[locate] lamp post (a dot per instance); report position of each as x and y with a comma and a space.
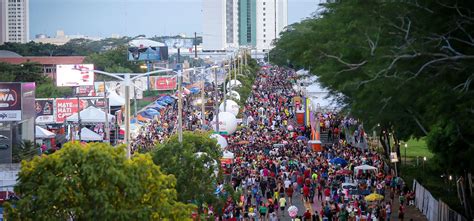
424, 159
406, 146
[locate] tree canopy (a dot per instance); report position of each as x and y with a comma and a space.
95, 182
195, 173
405, 65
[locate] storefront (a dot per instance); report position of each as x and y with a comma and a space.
17, 117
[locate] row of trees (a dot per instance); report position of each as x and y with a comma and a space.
96, 182
403, 65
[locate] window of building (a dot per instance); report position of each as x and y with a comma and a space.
263, 3
264, 41
264, 30
263, 14
264, 8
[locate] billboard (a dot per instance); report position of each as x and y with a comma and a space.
74, 75
163, 83
179, 42
66, 107
44, 109
10, 101
158, 53
119, 88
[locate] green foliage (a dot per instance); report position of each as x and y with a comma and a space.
195, 175
75, 47
25, 151
113, 61
403, 64
48, 89
26, 72
95, 182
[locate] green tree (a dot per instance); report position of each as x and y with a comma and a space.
403, 64
95, 182
196, 179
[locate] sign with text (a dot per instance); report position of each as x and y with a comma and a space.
162, 83
74, 75
67, 107
10, 101
44, 111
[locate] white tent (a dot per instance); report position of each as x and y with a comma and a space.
115, 99
41, 133
228, 155
88, 135
144, 43
302, 72
221, 141
364, 168
90, 115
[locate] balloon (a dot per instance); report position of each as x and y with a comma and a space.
227, 123
234, 95
293, 211
232, 107
234, 84
221, 141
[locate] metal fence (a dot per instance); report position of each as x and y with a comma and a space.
433, 209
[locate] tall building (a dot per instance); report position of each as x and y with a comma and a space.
14, 21
251, 23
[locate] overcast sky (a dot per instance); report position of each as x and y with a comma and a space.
131, 17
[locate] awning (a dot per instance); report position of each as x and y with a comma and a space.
41, 133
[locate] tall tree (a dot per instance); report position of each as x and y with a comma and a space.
403, 64
195, 173
95, 182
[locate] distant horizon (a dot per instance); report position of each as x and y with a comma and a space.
106, 18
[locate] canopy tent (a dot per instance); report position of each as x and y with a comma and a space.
88, 135
156, 106
41, 133
115, 99
302, 72
221, 141
91, 115
364, 168
228, 155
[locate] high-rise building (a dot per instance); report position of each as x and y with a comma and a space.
252, 23
14, 21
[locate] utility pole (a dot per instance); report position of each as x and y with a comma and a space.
79, 114
195, 47
106, 126
203, 109
216, 101
126, 136
180, 106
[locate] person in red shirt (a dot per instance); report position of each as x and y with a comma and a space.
300, 181
306, 193
289, 193
307, 215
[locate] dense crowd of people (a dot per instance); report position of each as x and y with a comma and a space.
275, 168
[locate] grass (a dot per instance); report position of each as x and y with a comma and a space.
417, 148
427, 173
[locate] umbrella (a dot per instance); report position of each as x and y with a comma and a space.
301, 138
290, 128
162, 103
373, 197
344, 172
338, 161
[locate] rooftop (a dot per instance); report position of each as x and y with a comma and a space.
53, 60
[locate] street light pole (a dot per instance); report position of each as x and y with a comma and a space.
126, 137
216, 101
180, 107
406, 145
203, 109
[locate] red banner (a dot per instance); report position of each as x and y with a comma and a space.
162, 83
67, 107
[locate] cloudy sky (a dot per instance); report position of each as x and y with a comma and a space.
131, 17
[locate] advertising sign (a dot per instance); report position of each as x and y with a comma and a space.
74, 75
148, 53
44, 111
67, 107
179, 42
162, 83
119, 88
10, 101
